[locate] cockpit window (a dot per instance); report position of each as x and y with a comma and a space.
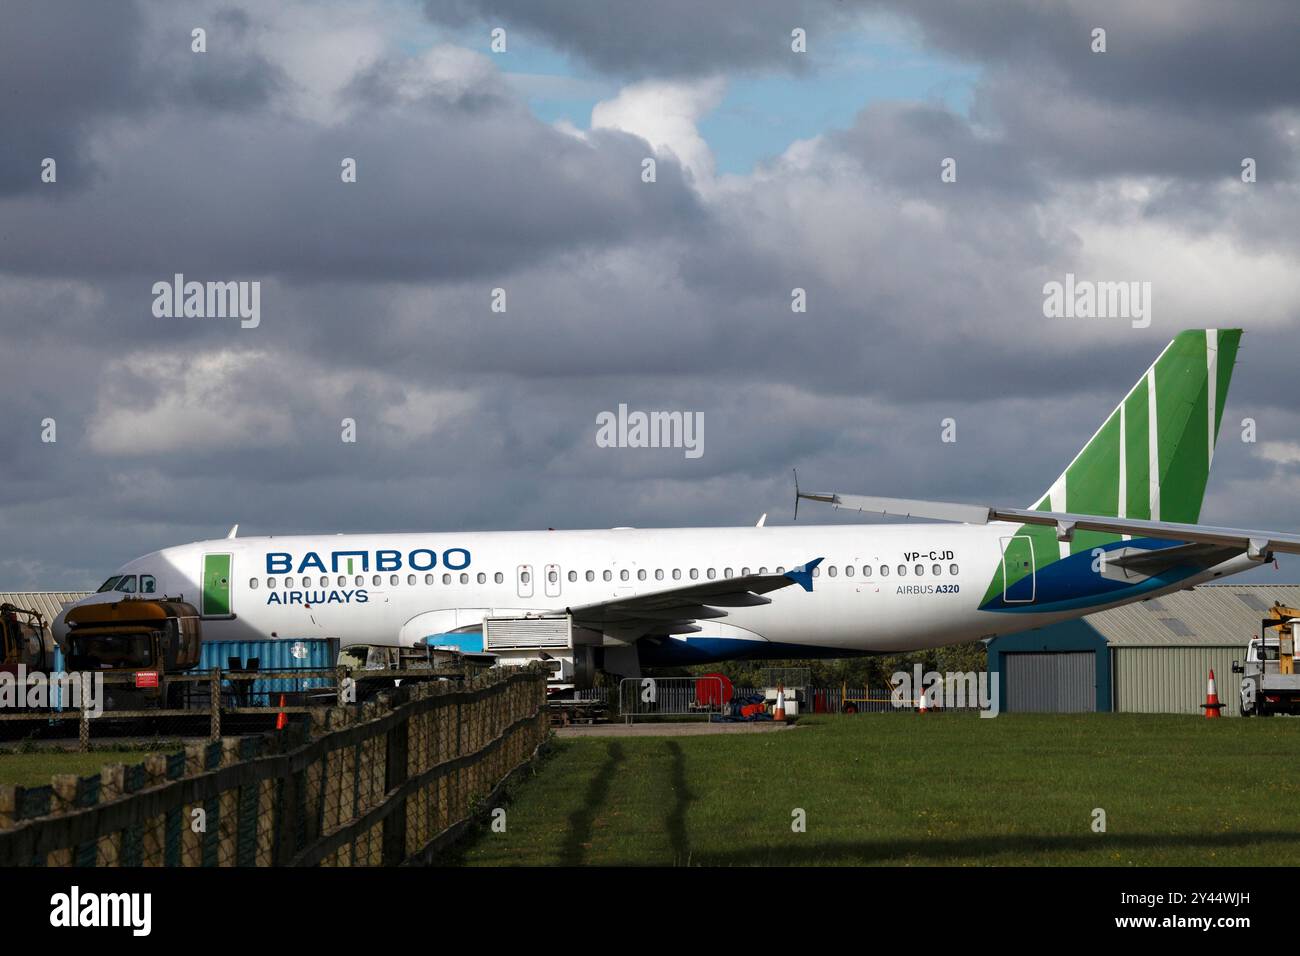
109, 584
147, 584
126, 584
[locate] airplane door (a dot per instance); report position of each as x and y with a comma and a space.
552, 581
524, 580
1018, 579
216, 585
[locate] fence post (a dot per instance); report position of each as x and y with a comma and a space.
112, 784
214, 704
395, 764
154, 841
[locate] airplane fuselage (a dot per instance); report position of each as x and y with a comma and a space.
879, 588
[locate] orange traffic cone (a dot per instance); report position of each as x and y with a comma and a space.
282, 721
778, 712
1212, 705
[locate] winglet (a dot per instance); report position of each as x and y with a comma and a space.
803, 576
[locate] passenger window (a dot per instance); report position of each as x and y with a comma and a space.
884, 570
525, 577
695, 573
498, 577
952, 569
744, 572
428, 579
552, 577
446, 579
902, 570
762, 570
464, 579
394, 580
361, 581
640, 574
920, 570
608, 576
270, 582
624, 575
831, 572
866, 570
343, 581
937, 570
324, 581
817, 572
288, 583
711, 574
377, 581
591, 575
659, 574
573, 576
848, 570
252, 584
677, 574
780, 569
726, 572
482, 578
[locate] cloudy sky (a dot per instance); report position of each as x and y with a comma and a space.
522, 170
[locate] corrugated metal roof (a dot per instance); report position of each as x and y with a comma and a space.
1212, 615
49, 603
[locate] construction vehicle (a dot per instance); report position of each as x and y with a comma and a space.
150, 639
25, 640
1269, 682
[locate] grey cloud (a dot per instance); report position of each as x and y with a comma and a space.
667, 38
924, 302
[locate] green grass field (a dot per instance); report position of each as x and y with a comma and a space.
35, 769
905, 790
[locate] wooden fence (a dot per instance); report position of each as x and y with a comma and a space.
388, 782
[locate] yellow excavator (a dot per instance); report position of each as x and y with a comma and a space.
1269, 682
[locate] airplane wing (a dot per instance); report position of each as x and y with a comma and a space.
1259, 545
675, 610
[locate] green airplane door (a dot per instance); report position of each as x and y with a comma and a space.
216, 585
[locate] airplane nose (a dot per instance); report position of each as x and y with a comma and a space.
59, 626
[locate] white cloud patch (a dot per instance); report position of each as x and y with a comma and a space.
665, 114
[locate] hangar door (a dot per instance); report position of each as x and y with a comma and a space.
1047, 683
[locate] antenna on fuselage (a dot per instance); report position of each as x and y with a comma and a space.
796, 493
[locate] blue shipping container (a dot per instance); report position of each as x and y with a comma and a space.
281, 654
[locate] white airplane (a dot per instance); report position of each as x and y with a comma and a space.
1117, 526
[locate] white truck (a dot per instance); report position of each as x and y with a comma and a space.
1269, 682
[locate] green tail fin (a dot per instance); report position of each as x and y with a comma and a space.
1151, 458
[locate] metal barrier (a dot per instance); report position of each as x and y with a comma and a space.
647, 697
